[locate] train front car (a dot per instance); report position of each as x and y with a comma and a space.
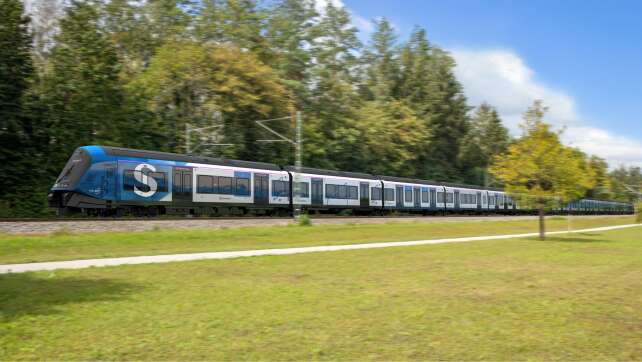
86, 183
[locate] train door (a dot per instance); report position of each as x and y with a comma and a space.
109, 181
364, 194
479, 201
399, 195
317, 192
417, 196
433, 198
261, 189
182, 185
456, 199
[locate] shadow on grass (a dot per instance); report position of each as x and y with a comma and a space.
576, 238
26, 294
573, 238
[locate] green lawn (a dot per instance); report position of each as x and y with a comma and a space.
24, 249
568, 298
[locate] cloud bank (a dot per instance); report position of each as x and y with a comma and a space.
501, 78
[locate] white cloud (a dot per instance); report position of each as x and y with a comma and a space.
501, 78
320, 5
364, 25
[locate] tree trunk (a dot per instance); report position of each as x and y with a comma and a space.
542, 228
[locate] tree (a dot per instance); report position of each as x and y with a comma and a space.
332, 137
446, 115
390, 133
486, 138
190, 83
136, 29
383, 67
82, 93
538, 165
240, 23
20, 144
45, 15
602, 188
290, 33
626, 183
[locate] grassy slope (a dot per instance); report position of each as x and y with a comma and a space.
573, 298
24, 249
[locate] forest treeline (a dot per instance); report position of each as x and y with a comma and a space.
137, 73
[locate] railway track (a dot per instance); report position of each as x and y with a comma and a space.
183, 218
87, 225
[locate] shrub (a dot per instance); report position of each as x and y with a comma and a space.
304, 220
63, 231
638, 212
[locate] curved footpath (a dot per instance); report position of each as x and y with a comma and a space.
79, 264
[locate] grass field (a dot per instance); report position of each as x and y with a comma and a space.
577, 297
66, 246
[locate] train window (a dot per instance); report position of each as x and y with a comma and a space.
303, 190
343, 191
440, 197
408, 195
279, 188
204, 184
389, 194
353, 192
450, 197
375, 193
129, 181
242, 186
425, 196
161, 180
187, 182
225, 185
330, 191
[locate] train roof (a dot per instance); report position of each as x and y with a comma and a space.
437, 183
167, 156
318, 171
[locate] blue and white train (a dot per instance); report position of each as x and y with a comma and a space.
112, 181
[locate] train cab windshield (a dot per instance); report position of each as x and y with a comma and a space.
74, 169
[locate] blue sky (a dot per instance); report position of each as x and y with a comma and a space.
584, 58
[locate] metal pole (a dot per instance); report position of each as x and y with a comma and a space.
297, 163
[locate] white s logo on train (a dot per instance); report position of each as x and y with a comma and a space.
146, 180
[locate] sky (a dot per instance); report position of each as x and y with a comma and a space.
582, 58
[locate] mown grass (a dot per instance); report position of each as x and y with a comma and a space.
576, 297
67, 246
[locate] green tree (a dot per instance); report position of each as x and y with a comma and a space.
21, 142
190, 83
446, 114
137, 29
382, 63
84, 99
239, 23
626, 183
332, 137
486, 138
539, 165
602, 188
390, 133
290, 33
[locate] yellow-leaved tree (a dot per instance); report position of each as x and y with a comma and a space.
540, 166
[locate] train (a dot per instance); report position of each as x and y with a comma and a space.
115, 181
